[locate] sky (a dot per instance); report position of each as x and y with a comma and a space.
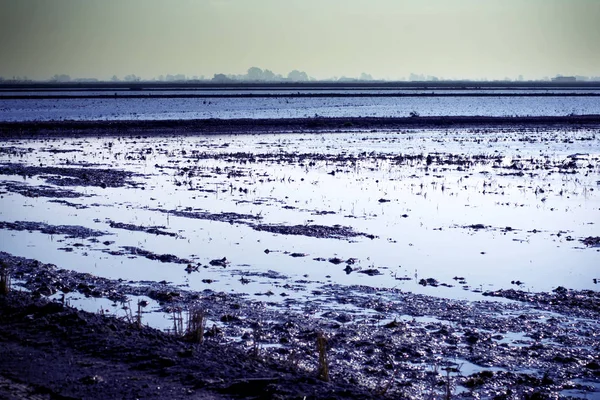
388, 39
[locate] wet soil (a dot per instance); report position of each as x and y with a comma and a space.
153, 230
72, 176
317, 124
136, 251
317, 231
381, 343
591, 241
70, 231
61, 353
39, 191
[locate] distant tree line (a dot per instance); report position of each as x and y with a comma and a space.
256, 74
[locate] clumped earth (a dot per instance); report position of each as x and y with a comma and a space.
52, 351
70, 231
316, 124
153, 230
318, 231
384, 344
67, 176
40, 191
136, 251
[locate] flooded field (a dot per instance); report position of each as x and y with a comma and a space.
144, 107
492, 207
463, 247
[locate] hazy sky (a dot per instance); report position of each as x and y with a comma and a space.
386, 38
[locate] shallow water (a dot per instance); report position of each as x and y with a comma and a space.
289, 107
419, 214
290, 92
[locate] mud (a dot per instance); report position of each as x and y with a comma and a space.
583, 303
69, 204
317, 124
317, 231
40, 191
153, 230
62, 176
381, 343
591, 241
70, 231
136, 251
74, 354
229, 217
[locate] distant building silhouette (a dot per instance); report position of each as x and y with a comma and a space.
564, 79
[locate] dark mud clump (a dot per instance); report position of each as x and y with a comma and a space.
591, 241
318, 124
47, 279
154, 230
71, 231
230, 217
580, 302
69, 204
136, 251
62, 176
40, 191
316, 231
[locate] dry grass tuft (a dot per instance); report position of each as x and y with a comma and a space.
4, 280
323, 373
196, 323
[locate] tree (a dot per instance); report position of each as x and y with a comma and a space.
297, 76
255, 74
221, 78
61, 78
268, 75
132, 78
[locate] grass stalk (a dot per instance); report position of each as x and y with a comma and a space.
196, 323
4, 280
323, 373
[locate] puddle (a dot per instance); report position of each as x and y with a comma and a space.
585, 389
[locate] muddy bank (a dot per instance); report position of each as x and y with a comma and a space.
70, 231
59, 352
381, 343
317, 124
583, 302
153, 230
40, 191
62, 176
316, 231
